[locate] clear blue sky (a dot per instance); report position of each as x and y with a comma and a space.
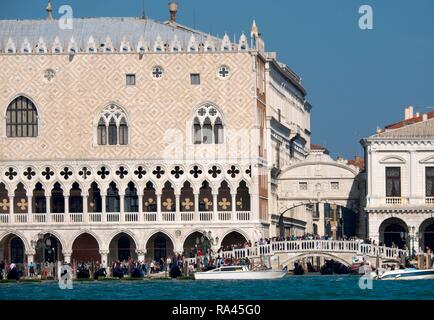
356, 80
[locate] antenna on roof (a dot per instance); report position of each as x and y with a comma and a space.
143, 10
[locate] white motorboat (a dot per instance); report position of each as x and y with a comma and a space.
239, 273
407, 274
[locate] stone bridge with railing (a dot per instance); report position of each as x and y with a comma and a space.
288, 252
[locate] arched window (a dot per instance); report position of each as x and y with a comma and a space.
21, 118
131, 198
112, 132
208, 125
102, 132
123, 132
113, 198
112, 128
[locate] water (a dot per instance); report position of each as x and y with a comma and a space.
288, 288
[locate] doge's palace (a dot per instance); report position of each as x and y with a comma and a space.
129, 137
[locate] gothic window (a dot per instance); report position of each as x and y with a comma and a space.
94, 201
131, 198
208, 126
243, 197
113, 199
123, 132
149, 198
102, 132
75, 199
393, 182
21, 118
39, 202
223, 72
429, 178
157, 72
112, 128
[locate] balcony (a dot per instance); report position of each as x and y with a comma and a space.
396, 201
127, 217
429, 201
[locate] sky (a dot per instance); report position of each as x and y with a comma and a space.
357, 80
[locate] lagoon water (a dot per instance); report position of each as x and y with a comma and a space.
288, 288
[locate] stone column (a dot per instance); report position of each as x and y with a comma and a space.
122, 207
159, 217
141, 217
178, 207
215, 206
29, 208
103, 208
48, 204
196, 207
141, 255
30, 258
67, 256
104, 257
234, 206
66, 208
11, 209
321, 222
85, 211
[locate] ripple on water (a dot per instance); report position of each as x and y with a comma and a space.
288, 288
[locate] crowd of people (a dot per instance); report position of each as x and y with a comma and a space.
175, 266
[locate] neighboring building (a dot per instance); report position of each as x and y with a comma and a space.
400, 182
131, 137
320, 195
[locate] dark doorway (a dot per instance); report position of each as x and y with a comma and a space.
17, 250
395, 234
428, 237
160, 248
124, 248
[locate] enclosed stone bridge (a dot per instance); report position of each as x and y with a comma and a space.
288, 252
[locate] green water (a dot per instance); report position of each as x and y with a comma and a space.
288, 288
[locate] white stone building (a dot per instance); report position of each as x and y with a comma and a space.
128, 137
400, 179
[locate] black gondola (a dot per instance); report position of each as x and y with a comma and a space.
100, 273
136, 274
13, 274
298, 269
83, 273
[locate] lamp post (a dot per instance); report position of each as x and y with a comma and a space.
334, 224
412, 241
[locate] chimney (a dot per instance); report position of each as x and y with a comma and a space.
173, 9
49, 11
408, 113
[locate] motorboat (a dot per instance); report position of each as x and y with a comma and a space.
239, 273
407, 274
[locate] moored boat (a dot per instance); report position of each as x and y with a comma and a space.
407, 274
239, 273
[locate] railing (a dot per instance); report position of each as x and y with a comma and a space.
243, 215
128, 217
76, 217
396, 200
113, 217
150, 216
40, 218
57, 218
168, 216
225, 216
301, 246
205, 216
20, 218
95, 217
187, 216
131, 217
429, 200
4, 218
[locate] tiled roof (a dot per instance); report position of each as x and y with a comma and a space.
319, 147
409, 121
132, 29
419, 130
357, 162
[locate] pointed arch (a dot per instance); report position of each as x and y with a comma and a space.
112, 126
21, 118
207, 125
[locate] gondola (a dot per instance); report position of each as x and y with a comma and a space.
298, 269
